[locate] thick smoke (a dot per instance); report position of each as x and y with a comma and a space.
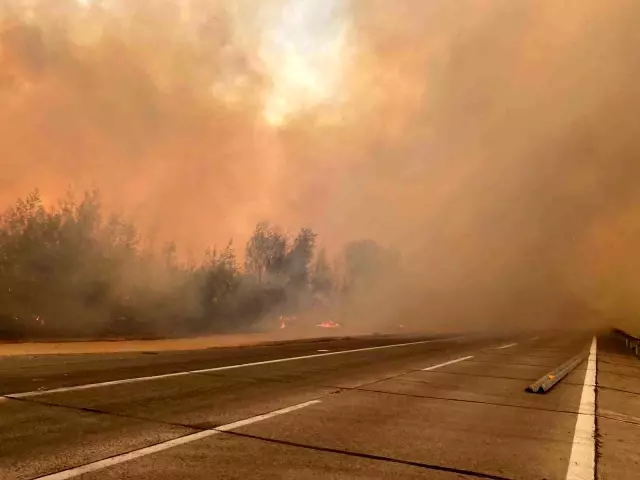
153, 105
492, 143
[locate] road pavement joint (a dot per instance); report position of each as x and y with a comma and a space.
98, 411
513, 364
600, 387
617, 365
196, 427
396, 376
637, 377
619, 417
406, 371
516, 354
615, 418
619, 356
493, 376
369, 456
477, 402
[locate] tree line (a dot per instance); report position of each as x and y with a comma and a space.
70, 271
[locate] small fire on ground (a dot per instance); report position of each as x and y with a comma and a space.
329, 324
286, 320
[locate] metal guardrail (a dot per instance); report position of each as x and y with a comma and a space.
546, 383
632, 342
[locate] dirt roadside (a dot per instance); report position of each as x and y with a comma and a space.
123, 346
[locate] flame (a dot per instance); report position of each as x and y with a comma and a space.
329, 324
284, 320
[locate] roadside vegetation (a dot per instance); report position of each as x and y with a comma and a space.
70, 271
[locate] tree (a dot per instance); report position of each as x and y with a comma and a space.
366, 261
220, 284
169, 251
298, 258
52, 264
70, 271
266, 252
322, 280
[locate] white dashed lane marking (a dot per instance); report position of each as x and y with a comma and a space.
126, 457
218, 369
450, 362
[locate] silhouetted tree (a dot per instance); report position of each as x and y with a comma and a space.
266, 252
322, 278
298, 258
367, 261
69, 270
220, 283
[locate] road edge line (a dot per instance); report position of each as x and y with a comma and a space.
582, 461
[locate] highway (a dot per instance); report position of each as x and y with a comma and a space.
363, 408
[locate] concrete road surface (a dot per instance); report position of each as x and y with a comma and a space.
364, 408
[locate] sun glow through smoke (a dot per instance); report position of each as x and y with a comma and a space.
303, 51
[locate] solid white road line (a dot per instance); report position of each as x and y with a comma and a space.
509, 345
582, 462
450, 362
126, 457
37, 393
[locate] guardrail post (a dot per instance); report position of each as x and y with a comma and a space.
630, 341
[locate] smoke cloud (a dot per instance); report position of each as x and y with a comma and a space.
492, 142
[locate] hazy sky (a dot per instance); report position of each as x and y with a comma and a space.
303, 49
494, 142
